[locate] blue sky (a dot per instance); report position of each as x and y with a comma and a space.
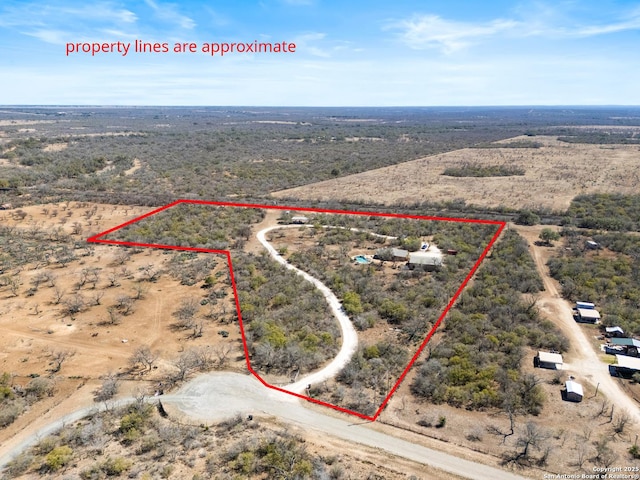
357, 52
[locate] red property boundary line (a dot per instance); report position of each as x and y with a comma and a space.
98, 239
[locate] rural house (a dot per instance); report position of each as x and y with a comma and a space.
630, 346
626, 366
588, 315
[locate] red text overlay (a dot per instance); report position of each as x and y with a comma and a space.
209, 48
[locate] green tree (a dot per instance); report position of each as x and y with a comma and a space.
352, 303
547, 235
527, 217
58, 457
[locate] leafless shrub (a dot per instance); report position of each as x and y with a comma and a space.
107, 390
75, 304
124, 304
620, 421
58, 357
58, 293
143, 356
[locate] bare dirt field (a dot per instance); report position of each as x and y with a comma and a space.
554, 174
120, 308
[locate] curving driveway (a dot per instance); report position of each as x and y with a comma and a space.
349, 335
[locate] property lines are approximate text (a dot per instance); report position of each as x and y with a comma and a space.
212, 49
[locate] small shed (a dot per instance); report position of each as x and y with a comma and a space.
588, 315
426, 260
299, 220
549, 360
585, 305
591, 245
614, 331
573, 391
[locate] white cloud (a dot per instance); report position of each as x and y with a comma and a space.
308, 43
169, 12
432, 31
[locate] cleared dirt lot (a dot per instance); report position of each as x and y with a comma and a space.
554, 174
38, 324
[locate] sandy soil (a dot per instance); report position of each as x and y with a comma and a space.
35, 326
554, 174
137, 165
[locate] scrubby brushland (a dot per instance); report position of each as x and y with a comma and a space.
605, 211
476, 363
288, 325
192, 225
609, 278
138, 442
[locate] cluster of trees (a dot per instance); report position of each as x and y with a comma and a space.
191, 267
612, 283
476, 364
479, 170
600, 137
288, 325
512, 144
192, 225
605, 211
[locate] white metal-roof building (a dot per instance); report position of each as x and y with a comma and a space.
549, 360
574, 392
588, 315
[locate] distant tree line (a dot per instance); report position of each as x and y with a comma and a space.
605, 211
480, 170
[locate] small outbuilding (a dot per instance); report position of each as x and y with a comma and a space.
591, 245
549, 360
616, 332
588, 315
299, 220
573, 391
585, 305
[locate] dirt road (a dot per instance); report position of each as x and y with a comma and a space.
349, 335
216, 396
584, 361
